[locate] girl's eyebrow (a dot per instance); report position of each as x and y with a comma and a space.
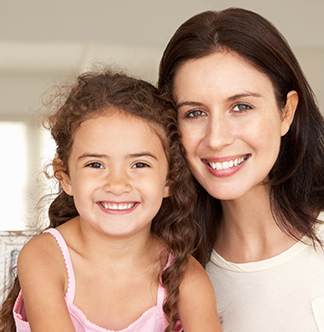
132, 155
142, 154
91, 155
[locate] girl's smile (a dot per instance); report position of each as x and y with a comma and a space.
118, 207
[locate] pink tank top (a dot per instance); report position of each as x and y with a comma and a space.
152, 320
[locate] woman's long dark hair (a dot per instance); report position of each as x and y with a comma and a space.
297, 178
96, 94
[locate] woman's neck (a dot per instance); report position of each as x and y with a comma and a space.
248, 232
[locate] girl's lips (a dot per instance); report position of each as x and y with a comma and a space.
226, 167
117, 207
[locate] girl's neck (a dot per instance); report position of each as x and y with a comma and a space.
98, 247
248, 232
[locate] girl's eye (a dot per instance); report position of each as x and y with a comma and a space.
194, 114
95, 165
140, 165
241, 107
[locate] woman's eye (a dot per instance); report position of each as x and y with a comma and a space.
140, 165
241, 107
95, 165
194, 114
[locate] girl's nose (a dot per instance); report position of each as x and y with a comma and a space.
117, 182
220, 133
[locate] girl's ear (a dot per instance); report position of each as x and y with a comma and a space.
166, 192
288, 112
60, 174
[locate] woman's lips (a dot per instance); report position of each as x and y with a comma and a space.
227, 167
227, 164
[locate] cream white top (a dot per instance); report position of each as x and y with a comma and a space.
281, 294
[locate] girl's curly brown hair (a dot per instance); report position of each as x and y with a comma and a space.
96, 94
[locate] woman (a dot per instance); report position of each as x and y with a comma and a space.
254, 139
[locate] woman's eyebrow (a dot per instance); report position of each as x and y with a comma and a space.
242, 95
231, 98
188, 103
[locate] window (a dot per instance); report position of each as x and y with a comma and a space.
13, 174
25, 149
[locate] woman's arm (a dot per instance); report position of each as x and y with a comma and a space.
43, 280
197, 301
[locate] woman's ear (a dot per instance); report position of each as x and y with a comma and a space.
61, 174
288, 112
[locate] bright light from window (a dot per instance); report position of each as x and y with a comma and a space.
47, 147
13, 175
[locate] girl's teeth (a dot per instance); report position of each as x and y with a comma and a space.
227, 164
119, 206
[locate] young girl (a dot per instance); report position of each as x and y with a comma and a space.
117, 254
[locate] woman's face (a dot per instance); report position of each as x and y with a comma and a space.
230, 123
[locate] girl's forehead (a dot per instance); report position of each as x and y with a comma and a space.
121, 122
117, 140
150, 121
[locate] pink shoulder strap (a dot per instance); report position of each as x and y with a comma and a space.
161, 291
69, 296
161, 298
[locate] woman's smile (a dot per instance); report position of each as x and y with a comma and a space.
228, 163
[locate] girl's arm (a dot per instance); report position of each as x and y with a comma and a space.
197, 301
43, 280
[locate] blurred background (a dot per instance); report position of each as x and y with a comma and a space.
43, 42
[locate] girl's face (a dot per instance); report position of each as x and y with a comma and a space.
117, 174
230, 123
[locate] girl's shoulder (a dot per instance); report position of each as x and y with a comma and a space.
197, 300
43, 281
42, 247
41, 258
195, 282
195, 273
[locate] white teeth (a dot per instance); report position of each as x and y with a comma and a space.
227, 164
117, 206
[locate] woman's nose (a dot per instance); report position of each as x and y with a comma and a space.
117, 182
220, 132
